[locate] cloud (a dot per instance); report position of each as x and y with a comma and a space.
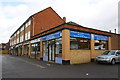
98, 14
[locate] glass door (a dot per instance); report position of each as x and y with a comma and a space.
45, 51
51, 50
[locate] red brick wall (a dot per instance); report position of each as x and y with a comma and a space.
45, 20
119, 42
114, 42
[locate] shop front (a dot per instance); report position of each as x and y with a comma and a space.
52, 47
79, 47
35, 48
100, 44
20, 49
16, 50
26, 49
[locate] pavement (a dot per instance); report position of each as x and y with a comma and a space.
23, 67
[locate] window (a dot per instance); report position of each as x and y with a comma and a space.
79, 43
100, 45
58, 49
109, 53
14, 41
54, 46
17, 32
21, 38
29, 22
29, 35
25, 36
45, 47
22, 28
26, 25
17, 40
101, 42
36, 49
118, 53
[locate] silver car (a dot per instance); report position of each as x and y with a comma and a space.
110, 56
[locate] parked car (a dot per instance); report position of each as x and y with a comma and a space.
110, 56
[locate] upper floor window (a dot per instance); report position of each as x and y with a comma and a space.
17, 32
17, 40
27, 23
22, 28
29, 35
26, 36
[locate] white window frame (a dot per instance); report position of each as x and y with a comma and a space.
28, 35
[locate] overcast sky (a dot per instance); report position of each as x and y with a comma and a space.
97, 14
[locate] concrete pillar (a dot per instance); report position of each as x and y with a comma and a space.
41, 49
109, 43
66, 46
92, 43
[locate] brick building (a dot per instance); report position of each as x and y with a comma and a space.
46, 36
4, 48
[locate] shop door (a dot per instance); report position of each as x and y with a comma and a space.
51, 51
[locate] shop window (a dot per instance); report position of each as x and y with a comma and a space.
58, 47
26, 48
79, 43
101, 45
35, 49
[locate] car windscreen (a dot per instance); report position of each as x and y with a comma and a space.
109, 53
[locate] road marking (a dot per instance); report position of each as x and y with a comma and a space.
37, 65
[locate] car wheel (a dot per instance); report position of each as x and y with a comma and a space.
113, 61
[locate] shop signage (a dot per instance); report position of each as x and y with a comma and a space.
100, 37
80, 34
52, 36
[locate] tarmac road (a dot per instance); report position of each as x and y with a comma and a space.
22, 67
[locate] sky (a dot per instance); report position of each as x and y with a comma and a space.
97, 14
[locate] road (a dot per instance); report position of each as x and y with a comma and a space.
22, 67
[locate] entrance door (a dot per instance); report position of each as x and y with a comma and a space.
51, 50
